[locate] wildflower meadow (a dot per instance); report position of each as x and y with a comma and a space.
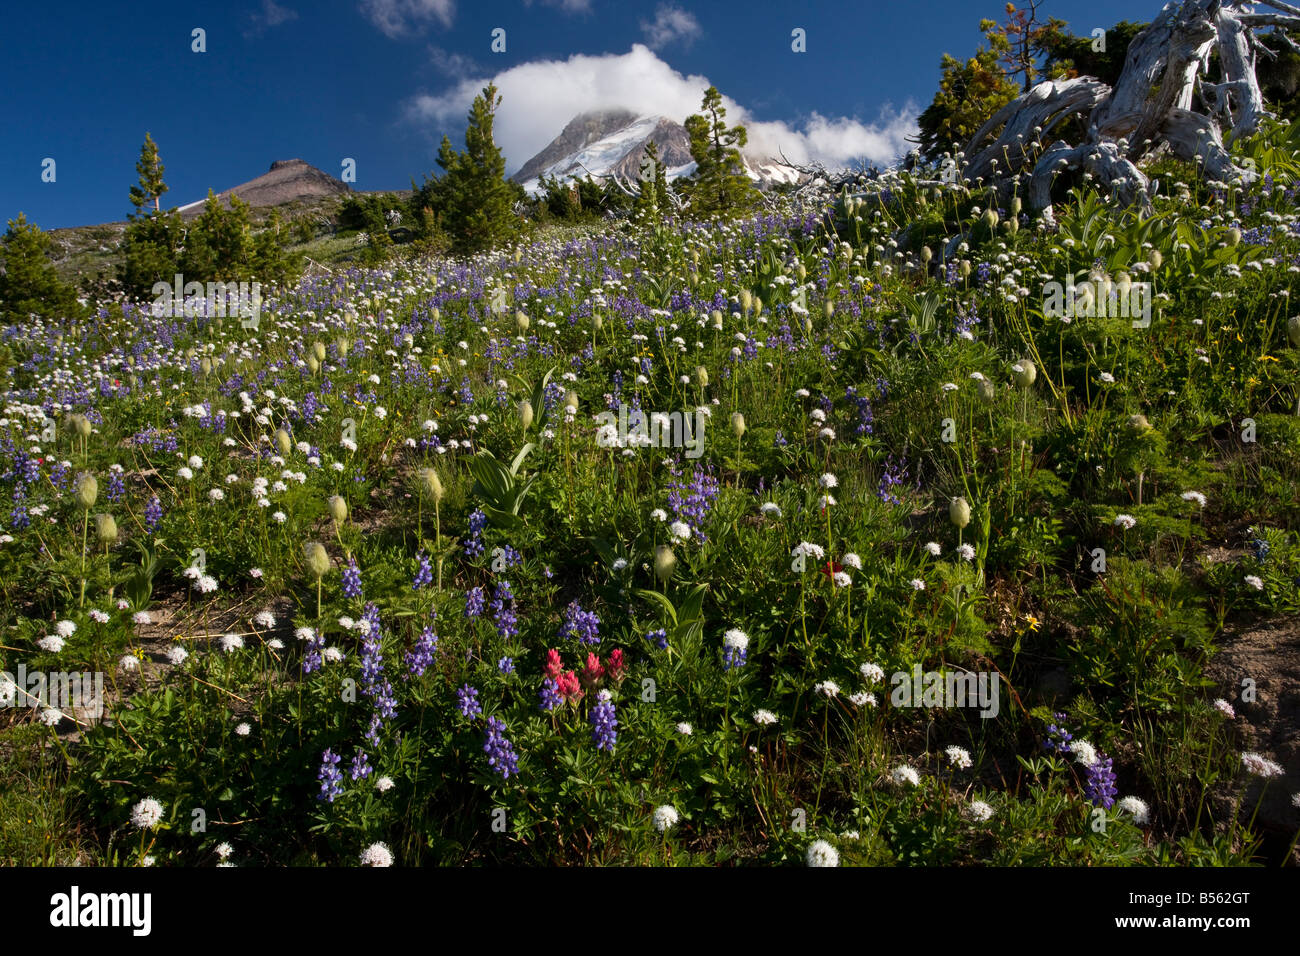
887, 523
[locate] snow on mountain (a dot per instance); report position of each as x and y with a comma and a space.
612, 142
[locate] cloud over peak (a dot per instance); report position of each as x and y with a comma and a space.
540, 97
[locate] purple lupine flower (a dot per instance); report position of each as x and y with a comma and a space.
420, 658
423, 574
863, 406
965, 320
311, 658
1058, 738
474, 602
1099, 787
330, 777
506, 665
658, 637
500, 751
474, 543
467, 701
691, 501
584, 626
352, 580
503, 613
116, 487
603, 723
895, 474
360, 767
550, 695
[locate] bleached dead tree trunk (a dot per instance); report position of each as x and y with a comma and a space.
1151, 108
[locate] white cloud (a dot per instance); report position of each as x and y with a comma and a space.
272, 15
568, 6
397, 17
539, 98
670, 23
452, 64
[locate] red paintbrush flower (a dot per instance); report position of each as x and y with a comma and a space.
593, 672
831, 569
553, 666
617, 666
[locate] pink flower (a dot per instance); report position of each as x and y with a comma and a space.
593, 673
567, 683
553, 667
617, 666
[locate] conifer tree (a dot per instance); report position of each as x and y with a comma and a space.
150, 168
654, 200
29, 284
478, 200
720, 184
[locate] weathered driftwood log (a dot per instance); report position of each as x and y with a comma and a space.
1130, 124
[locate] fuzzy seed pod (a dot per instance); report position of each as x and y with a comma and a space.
317, 558
990, 218
1234, 236
801, 271
829, 308
746, 301
1016, 206
343, 345
105, 529
526, 414
716, 315
318, 350
1138, 424
665, 562
81, 425
959, 512
986, 390
758, 306
597, 322
1155, 258
521, 322
963, 268
205, 366
1011, 226
738, 424
1025, 377
283, 443
926, 254
571, 399
1293, 330
86, 490
701, 376
431, 483
313, 365
338, 508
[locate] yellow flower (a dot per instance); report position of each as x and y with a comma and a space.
1032, 621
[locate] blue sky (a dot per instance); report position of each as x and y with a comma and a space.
380, 81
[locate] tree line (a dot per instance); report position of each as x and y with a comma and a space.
468, 207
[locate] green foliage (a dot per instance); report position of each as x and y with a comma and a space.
969, 93
719, 185
29, 284
1070, 56
151, 185
476, 201
150, 250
